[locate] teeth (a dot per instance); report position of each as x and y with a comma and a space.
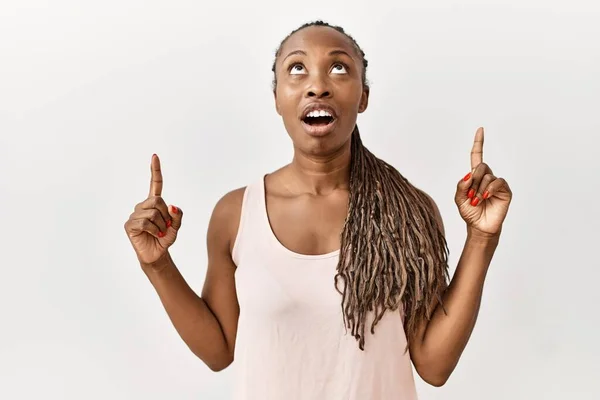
319, 113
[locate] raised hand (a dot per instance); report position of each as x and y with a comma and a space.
482, 198
152, 227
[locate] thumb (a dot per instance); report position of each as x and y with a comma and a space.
176, 216
462, 188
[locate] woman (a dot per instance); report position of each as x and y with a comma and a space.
327, 277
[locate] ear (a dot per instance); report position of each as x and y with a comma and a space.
276, 103
364, 100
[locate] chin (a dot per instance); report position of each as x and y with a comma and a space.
321, 145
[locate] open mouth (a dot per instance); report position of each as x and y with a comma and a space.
318, 118
318, 121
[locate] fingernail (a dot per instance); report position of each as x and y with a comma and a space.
486, 194
471, 193
467, 177
168, 223
475, 201
174, 209
161, 234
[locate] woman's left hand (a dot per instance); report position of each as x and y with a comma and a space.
482, 198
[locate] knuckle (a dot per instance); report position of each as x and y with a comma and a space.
146, 225
149, 202
155, 215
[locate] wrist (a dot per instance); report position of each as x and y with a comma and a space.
159, 265
480, 237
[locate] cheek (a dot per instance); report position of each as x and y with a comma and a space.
287, 103
348, 94
288, 99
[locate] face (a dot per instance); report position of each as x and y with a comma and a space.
319, 90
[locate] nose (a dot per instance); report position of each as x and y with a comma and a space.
319, 88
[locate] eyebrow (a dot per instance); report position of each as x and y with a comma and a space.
331, 53
302, 52
336, 52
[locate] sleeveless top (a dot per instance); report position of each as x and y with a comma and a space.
291, 340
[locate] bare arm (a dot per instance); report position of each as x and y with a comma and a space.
439, 343
207, 324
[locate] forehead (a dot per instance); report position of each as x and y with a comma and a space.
317, 38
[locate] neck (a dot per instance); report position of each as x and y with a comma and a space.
320, 175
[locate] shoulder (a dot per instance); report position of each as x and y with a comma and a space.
434, 208
230, 201
226, 215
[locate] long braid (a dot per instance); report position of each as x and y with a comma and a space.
393, 253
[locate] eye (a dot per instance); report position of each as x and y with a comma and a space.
339, 69
297, 69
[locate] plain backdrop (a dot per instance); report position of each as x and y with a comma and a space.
89, 90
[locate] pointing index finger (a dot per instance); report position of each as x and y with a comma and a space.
477, 151
156, 182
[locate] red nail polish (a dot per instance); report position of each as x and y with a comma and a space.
168, 223
175, 210
471, 193
467, 177
475, 201
160, 234
486, 194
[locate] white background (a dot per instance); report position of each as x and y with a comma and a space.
88, 91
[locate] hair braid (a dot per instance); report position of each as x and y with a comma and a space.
393, 253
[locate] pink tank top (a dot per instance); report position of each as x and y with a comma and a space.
291, 341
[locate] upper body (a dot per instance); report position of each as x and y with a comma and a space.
280, 316
306, 200
290, 335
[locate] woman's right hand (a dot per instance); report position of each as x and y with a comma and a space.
152, 227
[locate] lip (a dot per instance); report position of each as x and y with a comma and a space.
318, 106
319, 131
